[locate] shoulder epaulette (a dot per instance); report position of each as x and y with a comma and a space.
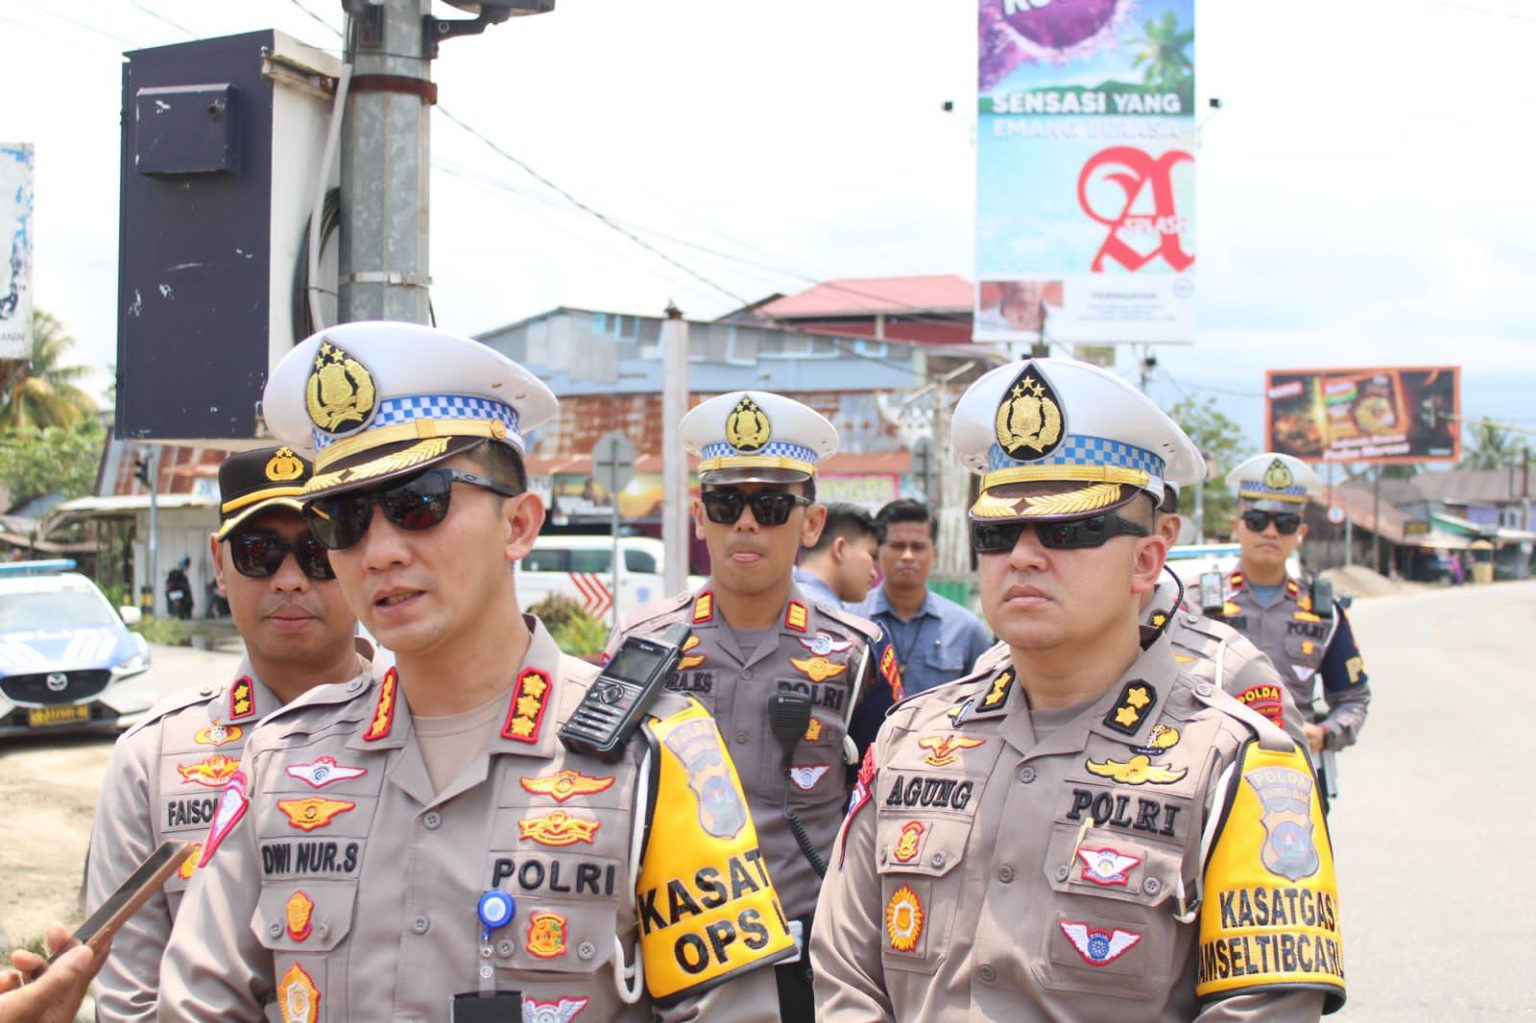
179, 700
863, 626
655, 609
1270, 735
331, 694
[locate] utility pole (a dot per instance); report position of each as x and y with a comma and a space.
674, 460
384, 157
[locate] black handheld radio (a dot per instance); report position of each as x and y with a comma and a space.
617, 700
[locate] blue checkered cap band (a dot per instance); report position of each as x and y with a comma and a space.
1080, 450
1256, 490
773, 449
412, 408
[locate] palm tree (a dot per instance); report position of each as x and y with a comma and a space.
1492, 447
1168, 68
41, 392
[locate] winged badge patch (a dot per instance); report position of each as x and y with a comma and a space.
806, 776
1139, 770
1098, 948
1106, 867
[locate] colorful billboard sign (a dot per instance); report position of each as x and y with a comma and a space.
16, 257
1085, 171
1377, 416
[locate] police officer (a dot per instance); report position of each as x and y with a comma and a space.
1088, 832
425, 846
798, 686
1277, 610
166, 772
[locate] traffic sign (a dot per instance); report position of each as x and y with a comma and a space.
613, 462
1336, 514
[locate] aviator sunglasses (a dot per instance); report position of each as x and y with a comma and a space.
1286, 523
769, 507
1075, 534
258, 555
417, 503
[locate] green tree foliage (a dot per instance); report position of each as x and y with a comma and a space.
1165, 65
1221, 440
43, 460
44, 392
1491, 446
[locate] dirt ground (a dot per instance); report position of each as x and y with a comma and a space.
48, 788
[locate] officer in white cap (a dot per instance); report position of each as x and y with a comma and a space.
424, 845
1305, 633
799, 686
1026, 843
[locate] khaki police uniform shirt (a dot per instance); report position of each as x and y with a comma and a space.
816, 650
1306, 648
959, 888
348, 889
163, 782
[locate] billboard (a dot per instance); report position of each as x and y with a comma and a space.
1377, 415
16, 260
1085, 171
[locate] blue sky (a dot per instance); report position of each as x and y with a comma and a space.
1363, 192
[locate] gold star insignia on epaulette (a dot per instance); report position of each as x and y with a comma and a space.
1127, 714
999, 690
1158, 620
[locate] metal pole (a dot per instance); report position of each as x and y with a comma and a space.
384, 159
154, 530
613, 496
674, 460
1376, 522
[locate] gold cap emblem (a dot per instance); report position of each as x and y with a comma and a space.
284, 466
1277, 476
747, 428
340, 392
1029, 419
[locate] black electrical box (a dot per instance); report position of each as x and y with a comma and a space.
221, 139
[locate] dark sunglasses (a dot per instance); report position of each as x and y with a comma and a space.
259, 555
1075, 534
417, 503
1286, 523
769, 507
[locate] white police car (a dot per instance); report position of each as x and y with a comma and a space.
67, 660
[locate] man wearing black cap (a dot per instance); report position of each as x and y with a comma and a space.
166, 772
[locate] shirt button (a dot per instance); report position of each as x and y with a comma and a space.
432, 820
986, 973
1203, 689
1151, 885
747, 673
586, 950
1192, 619
505, 947
276, 930
354, 685
937, 859
420, 925
323, 931
1026, 774
1005, 874
741, 736
1062, 873
205, 691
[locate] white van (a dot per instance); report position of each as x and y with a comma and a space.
581, 567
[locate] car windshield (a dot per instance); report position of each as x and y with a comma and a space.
62, 609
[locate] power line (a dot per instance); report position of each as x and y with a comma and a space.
160, 17
328, 26
598, 214
88, 27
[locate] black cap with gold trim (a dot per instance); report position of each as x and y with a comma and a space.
251, 482
1056, 439
376, 400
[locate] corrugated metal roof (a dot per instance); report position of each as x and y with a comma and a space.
865, 296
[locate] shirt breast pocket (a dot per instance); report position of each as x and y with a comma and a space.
1112, 928
945, 657
920, 887
305, 918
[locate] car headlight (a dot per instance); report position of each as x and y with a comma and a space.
133, 666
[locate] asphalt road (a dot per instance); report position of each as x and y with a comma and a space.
1436, 813
1438, 808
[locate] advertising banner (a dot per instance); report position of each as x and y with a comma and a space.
1085, 171
16, 256
1376, 416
